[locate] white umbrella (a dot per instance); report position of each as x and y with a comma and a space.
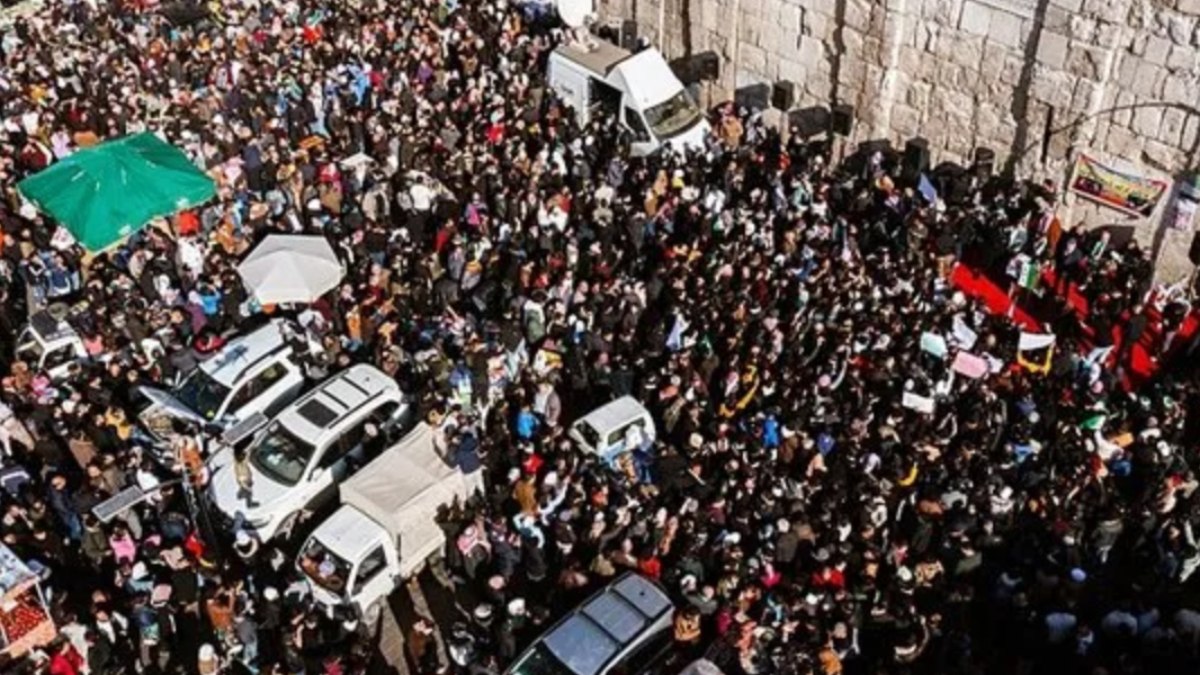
291, 268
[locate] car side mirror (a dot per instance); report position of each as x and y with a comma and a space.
318, 473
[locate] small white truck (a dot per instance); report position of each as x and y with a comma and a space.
647, 99
385, 530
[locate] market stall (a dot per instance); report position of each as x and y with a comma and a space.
25, 621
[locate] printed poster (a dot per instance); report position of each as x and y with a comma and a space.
1129, 193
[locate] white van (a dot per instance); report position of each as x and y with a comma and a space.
298, 460
639, 89
606, 431
254, 374
626, 627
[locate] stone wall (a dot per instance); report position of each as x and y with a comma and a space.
1036, 81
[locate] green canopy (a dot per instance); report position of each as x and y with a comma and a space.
106, 193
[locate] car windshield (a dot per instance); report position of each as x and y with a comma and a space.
590, 436
282, 456
201, 393
325, 568
673, 116
539, 661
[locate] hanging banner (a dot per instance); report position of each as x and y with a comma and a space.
1187, 197
1126, 192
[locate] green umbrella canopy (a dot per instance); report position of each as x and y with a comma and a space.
106, 193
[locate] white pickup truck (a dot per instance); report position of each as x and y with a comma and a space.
386, 529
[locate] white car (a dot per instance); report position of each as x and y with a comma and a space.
50, 344
298, 460
252, 374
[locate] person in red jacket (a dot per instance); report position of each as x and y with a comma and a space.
66, 660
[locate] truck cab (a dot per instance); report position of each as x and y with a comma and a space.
648, 100
297, 461
349, 561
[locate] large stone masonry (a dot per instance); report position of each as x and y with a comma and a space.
1036, 81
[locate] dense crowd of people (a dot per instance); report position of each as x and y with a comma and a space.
829, 487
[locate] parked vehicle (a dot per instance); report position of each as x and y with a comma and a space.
638, 89
298, 460
50, 344
606, 431
386, 528
625, 627
257, 373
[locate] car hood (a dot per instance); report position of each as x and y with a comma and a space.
161, 401
265, 493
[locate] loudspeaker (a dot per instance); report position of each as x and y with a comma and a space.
916, 159
783, 95
629, 36
708, 66
842, 119
1194, 251
985, 163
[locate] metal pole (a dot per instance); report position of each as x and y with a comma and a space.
662, 19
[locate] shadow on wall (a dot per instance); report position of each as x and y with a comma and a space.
1020, 101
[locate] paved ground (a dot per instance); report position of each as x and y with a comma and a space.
431, 595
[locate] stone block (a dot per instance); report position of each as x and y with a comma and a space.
826, 7
1180, 28
1127, 71
991, 62
1148, 80
872, 50
976, 18
1082, 28
1053, 87
1179, 89
968, 52
1008, 30
1122, 111
949, 75
858, 15
1085, 92
945, 12
918, 95
1156, 49
1107, 34
1052, 50
1147, 120
1071, 6
854, 42
1191, 131
1188, 6
1183, 58
1011, 74
1162, 156
752, 59
906, 120
1056, 19
927, 34
1120, 142
909, 60
791, 69
1171, 130
811, 51
1084, 62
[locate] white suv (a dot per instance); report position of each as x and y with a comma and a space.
298, 460
256, 373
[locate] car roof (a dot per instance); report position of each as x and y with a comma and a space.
348, 533
614, 414
242, 355
604, 625
345, 395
